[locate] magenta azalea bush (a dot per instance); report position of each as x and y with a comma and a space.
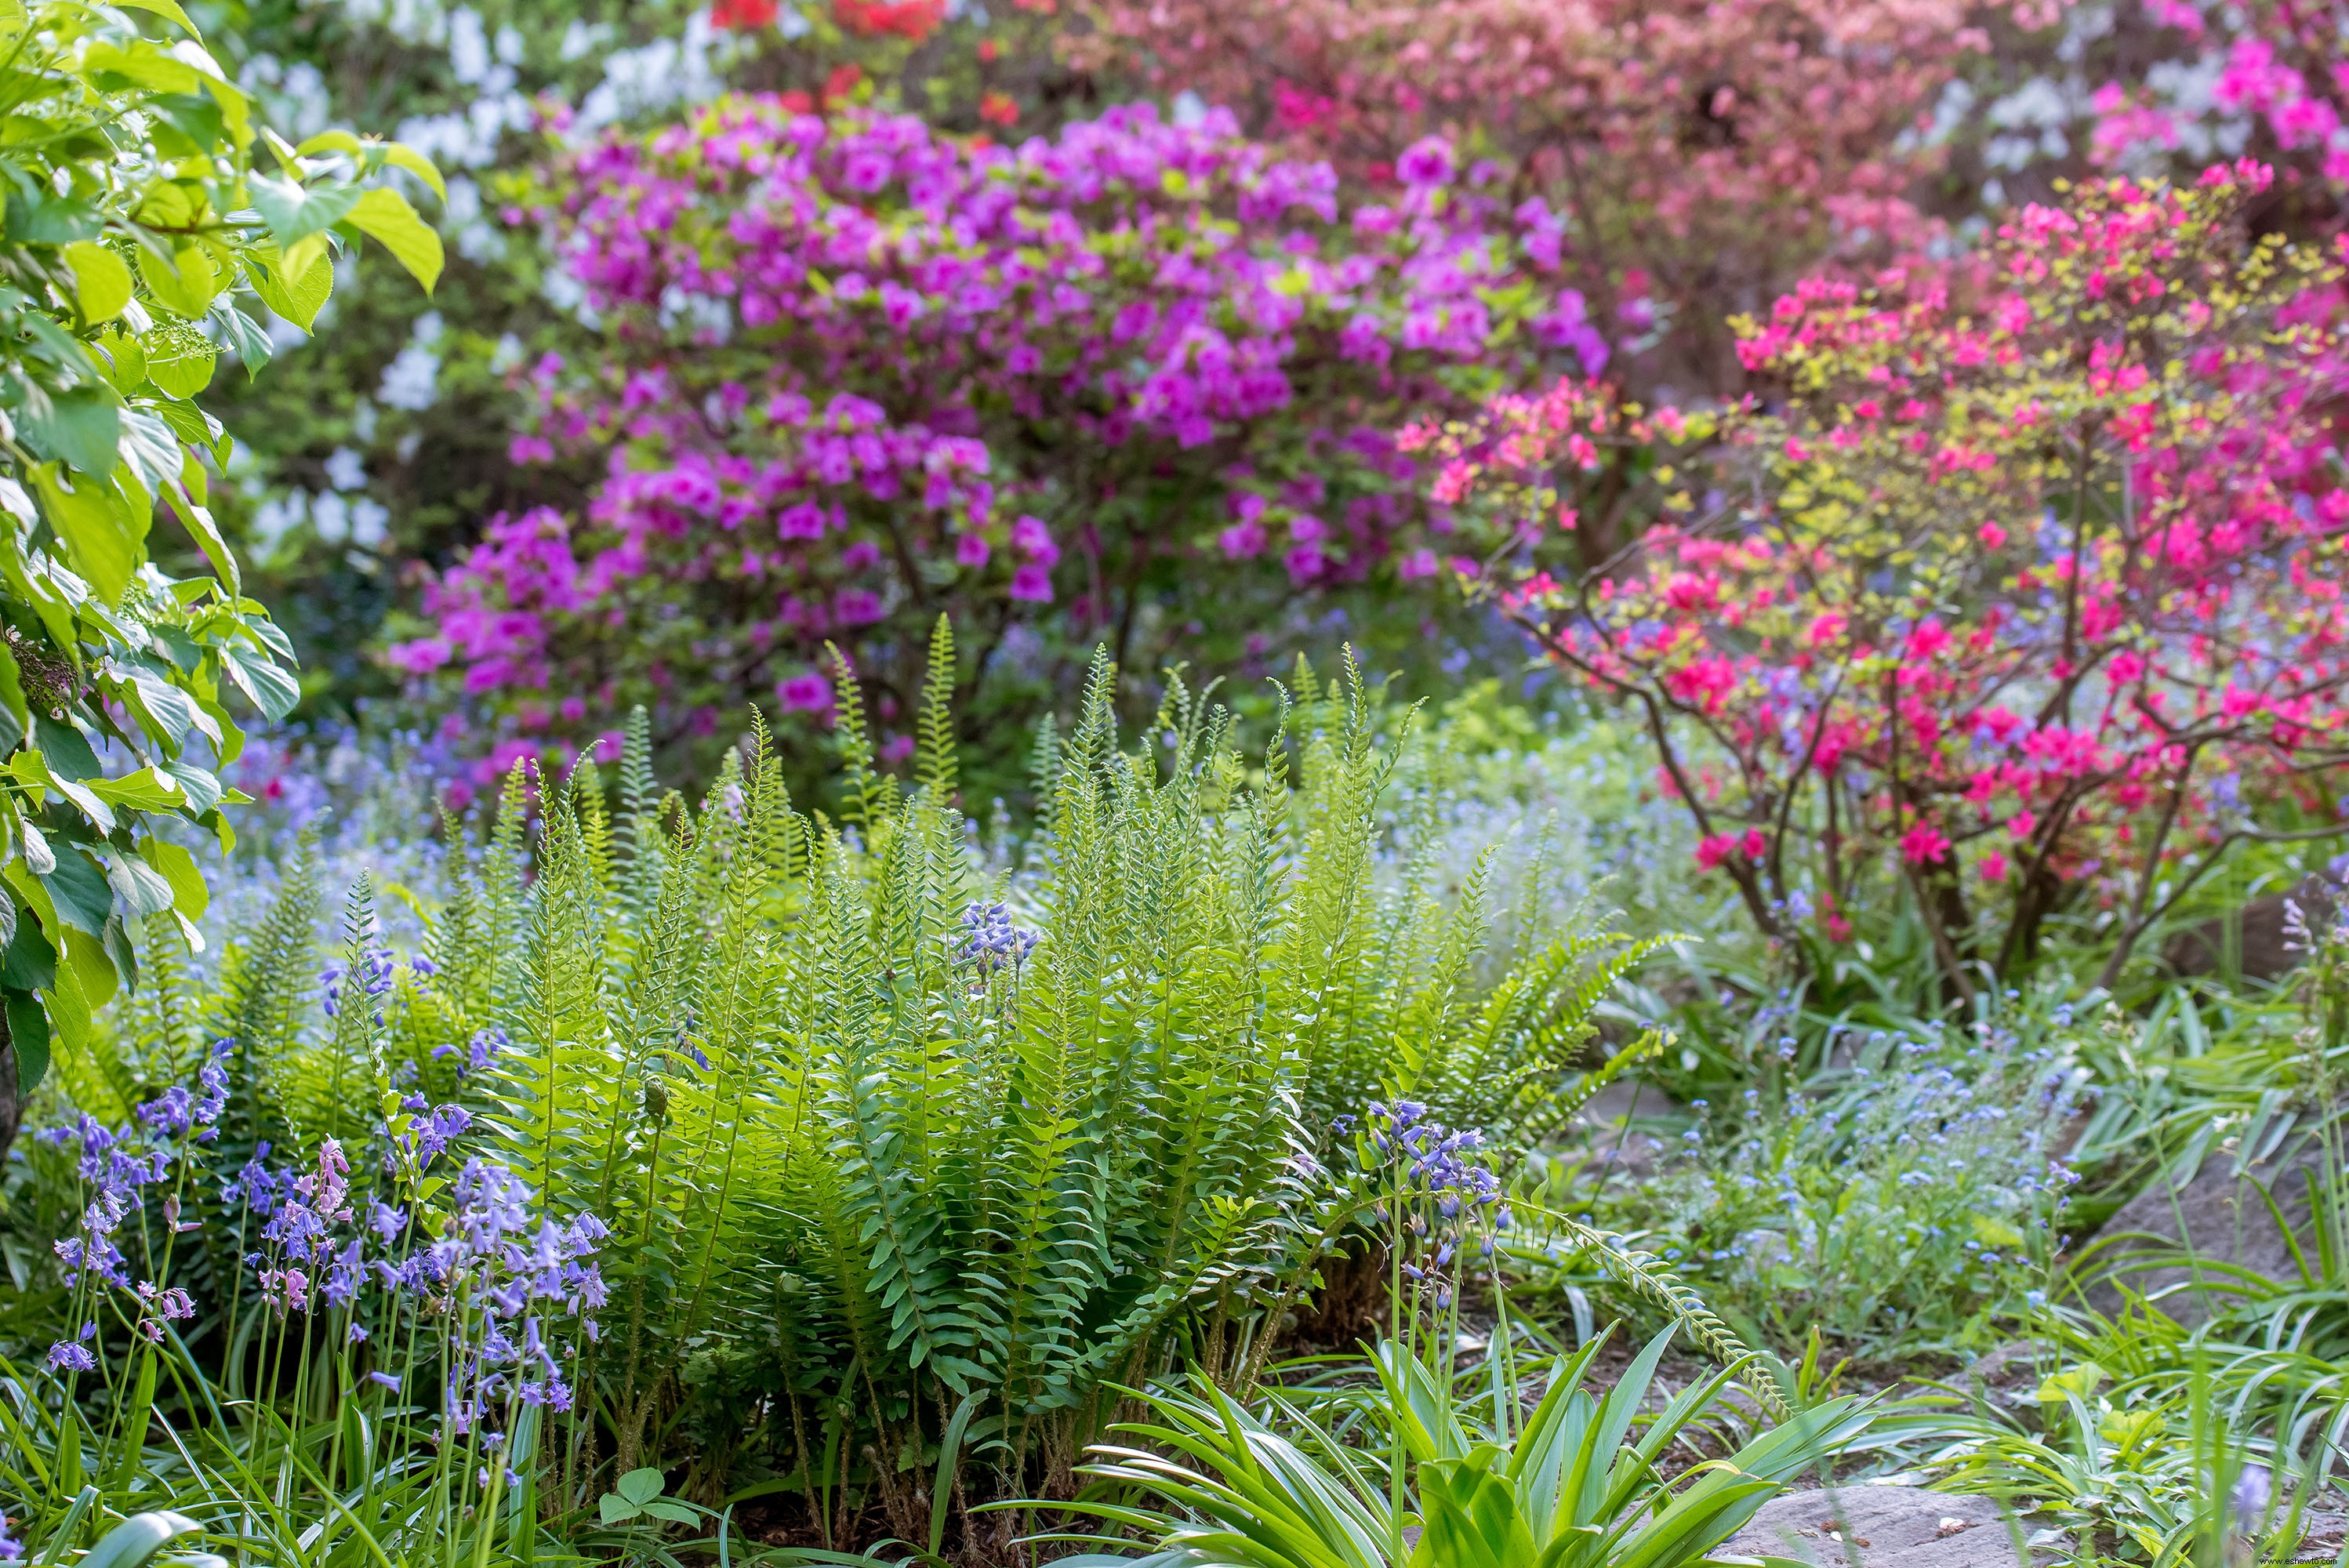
853, 373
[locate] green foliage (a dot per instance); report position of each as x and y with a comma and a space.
1572, 1485
1908, 1197
910, 1159
137, 220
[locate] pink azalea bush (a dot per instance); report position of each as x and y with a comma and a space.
852, 373
2026, 585
1700, 155
2264, 75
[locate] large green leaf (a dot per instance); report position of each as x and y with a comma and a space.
272, 691
52, 220
80, 427
28, 1036
84, 898
88, 517
180, 359
298, 302
1470, 1517
186, 284
293, 211
101, 282
385, 215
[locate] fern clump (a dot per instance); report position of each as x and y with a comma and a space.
912, 1158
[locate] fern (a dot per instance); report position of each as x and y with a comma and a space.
859, 1166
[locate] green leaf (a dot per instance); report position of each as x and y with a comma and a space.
135, 1542
52, 220
164, 711
178, 867
198, 521
151, 450
187, 422
144, 62
272, 691
292, 212
86, 517
29, 963
65, 750
80, 427
203, 790
614, 1509
84, 899
299, 302
180, 359
145, 790
186, 284
70, 1003
142, 890
675, 1513
120, 359
101, 282
162, 8
641, 1486
28, 1035
384, 214
252, 347
399, 155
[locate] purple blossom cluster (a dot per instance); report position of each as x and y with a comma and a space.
466, 1267
1434, 1166
845, 359
991, 941
470, 1263
376, 972
477, 1053
115, 1168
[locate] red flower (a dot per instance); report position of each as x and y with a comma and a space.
998, 108
842, 82
910, 19
741, 15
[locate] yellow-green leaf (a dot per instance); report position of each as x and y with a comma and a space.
198, 521
145, 790
384, 214
399, 155
101, 282
122, 360
332, 142
1993, 1233
180, 359
186, 284
2078, 1381
178, 868
87, 962
302, 260
85, 516
297, 300
162, 8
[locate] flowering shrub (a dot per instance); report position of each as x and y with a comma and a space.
855, 372
2033, 582
2263, 77
1694, 152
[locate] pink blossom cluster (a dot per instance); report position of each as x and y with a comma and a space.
858, 372
2261, 69
1697, 151
2033, 581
